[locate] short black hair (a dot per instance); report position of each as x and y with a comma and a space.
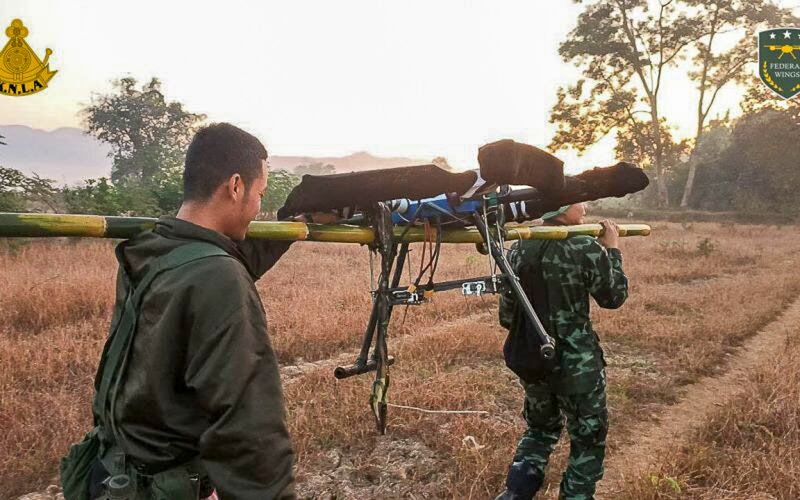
216, 153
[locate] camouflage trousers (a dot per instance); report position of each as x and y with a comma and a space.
587, 425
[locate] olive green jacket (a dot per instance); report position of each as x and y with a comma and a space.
572, 269
203, 378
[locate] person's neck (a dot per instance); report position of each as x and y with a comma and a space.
202, 215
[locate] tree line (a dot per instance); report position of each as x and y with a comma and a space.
148, 137
629, 53
632, 53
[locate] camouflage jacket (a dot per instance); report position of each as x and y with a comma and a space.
572, 269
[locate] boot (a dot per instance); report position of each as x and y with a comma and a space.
522, 483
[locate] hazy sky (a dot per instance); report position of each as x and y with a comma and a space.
411, 78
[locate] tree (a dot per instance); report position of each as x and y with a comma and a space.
18, 191
751, 166
624, 48
279, 184
148, 137
167, 189
95, 196
638, 147
714, 68
102, 197
315, 169
767, 141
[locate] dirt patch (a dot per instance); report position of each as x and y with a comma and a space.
651, 440
395, 468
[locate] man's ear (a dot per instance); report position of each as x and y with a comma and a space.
235, 187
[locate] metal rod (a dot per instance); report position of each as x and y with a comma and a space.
547, 349
443, 286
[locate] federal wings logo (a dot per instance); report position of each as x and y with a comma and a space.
21, 70
778, 62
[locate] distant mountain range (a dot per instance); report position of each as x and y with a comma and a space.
350, 163
64, 154
67, 155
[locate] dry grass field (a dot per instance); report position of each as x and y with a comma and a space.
749, 448
697, 292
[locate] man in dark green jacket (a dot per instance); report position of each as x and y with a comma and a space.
202, 384
571, 270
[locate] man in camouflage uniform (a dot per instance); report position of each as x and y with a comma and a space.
571, 270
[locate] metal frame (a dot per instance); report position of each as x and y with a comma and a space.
388, 294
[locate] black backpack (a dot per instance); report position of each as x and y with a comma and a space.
522, 346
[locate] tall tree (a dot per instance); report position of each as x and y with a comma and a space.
714, 68
624, 48
147, 134
279, 184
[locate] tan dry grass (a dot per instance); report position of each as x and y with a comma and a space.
685, 312
749, 449
45, 284
45, 390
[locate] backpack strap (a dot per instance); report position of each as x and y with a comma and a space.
118, 345
535, 286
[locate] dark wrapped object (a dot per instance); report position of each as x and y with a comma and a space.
509, 162
601, 182
319, 193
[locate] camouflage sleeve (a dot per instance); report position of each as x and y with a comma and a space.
506, 308
603, 275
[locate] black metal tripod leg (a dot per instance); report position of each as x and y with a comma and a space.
388, 249
362, 364
547, 350
380, 316
373, 318
368, 334
381, 358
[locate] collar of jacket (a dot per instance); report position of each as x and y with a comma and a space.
175, 228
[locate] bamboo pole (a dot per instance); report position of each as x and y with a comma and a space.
100, 226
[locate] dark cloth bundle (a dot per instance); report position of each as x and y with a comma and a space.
509, 162
317, 193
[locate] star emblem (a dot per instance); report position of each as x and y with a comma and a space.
786, 34
772, 36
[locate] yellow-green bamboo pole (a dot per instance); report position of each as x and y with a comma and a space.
99, 226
